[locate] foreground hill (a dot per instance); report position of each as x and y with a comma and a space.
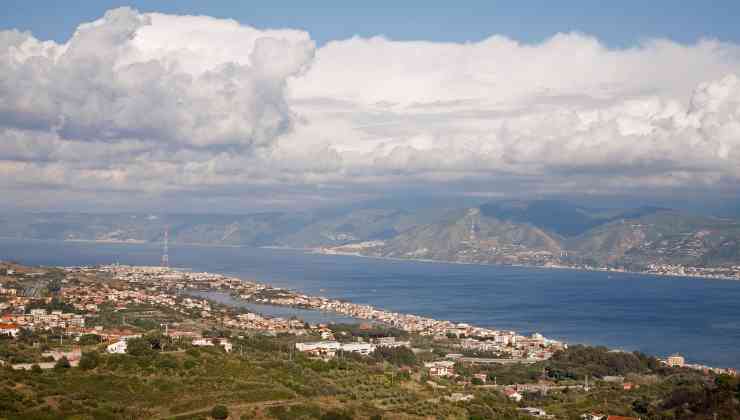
544, 232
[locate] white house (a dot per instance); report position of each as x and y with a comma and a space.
441, 368
361, 348
534, 412
512, 394
9, 328
207, 342
119, 347
391, 342
318, 346
202, 342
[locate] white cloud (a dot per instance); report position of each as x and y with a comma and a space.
158, 104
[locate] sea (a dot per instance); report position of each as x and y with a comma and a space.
698, 318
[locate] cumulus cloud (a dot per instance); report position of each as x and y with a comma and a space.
179, 107
93, 88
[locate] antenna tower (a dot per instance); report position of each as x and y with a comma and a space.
165, 250
471, 236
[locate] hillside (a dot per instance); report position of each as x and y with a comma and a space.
557, 233
544, 232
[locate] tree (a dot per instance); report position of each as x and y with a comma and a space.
220, 412
399, 356
89, 339
35, 368
138, 347
641, 405
62, 363
89, 360
336, 415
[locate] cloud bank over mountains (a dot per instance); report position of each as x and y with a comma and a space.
198, 111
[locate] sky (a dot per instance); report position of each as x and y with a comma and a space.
242, 106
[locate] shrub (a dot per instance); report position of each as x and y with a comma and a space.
139, 347
89, 339
189, 363
336, 415
89, 360
62, 363
220, 412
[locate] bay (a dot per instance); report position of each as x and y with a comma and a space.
699, 318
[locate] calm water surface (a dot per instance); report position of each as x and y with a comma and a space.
658, 315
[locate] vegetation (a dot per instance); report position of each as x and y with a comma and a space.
264, 379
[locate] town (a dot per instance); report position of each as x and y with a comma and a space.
116, 308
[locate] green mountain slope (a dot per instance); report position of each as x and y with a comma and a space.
544, 232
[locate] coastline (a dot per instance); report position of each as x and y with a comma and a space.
319, 251
266, 295
559, 330
602, 270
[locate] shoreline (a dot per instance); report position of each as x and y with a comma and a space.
593, 270
319, 251
409, 322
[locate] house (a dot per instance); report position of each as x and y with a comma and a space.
318, 345
443, 368
675, 360
9, 329
599, 416
208, 342
37, 312
226, 344
361, 348
512, 394
457, 397
391, 342
202, 342
73, 355
534, 412
481, 377
119, 347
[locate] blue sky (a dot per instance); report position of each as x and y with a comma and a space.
617, 23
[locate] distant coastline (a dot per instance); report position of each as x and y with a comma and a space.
544, 267
322, 251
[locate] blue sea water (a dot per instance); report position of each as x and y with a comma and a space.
699, 318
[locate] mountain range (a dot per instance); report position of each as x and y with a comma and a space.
535, 232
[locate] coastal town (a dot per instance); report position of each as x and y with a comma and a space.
174, 289
516, 256
115, 308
